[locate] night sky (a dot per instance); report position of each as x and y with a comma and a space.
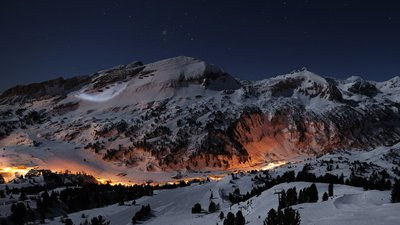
41, 40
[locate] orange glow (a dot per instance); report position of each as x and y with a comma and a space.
216, 177
10, 173
176, 182
103, 181
273, 165
114, 182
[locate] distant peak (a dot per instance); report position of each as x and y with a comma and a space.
354, 78
305, 74
134, 64
176, 61
302, 69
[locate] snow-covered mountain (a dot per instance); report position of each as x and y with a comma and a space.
184, 114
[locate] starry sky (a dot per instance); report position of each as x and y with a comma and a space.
45, 39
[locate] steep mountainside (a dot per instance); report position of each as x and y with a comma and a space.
182, 113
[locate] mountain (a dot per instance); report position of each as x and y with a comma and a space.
184, 114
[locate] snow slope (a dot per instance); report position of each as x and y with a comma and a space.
349, 205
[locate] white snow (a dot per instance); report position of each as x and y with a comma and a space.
103, 96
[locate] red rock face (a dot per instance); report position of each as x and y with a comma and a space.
291, 133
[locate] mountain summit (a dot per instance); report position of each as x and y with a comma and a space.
133, 81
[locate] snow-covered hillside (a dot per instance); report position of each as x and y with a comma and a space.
351, 206
348, 205
184, 115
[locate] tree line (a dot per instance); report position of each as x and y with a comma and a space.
378, 181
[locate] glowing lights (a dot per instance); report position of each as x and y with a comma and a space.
20, 170
216, 177
273, 165
103, 181
176, 182
10, 173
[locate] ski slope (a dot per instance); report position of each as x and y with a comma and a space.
349, 205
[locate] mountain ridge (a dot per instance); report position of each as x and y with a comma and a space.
184, 114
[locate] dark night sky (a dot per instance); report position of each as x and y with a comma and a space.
41, 40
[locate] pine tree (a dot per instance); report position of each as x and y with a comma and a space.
287, 216
291, 197
46, 200
330, 189
313, 193
196, 208
396, 191
291, 217
230, 219
239, 219
221, 215
142, 214
99, 221
212, 207
18, 213
282, 200
40, 205
68, 221
134, 220
325, 197
271, 218
302, 198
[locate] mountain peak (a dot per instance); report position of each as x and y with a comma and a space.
305, 75
303, 82
184, 70
163, 79
302, 69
